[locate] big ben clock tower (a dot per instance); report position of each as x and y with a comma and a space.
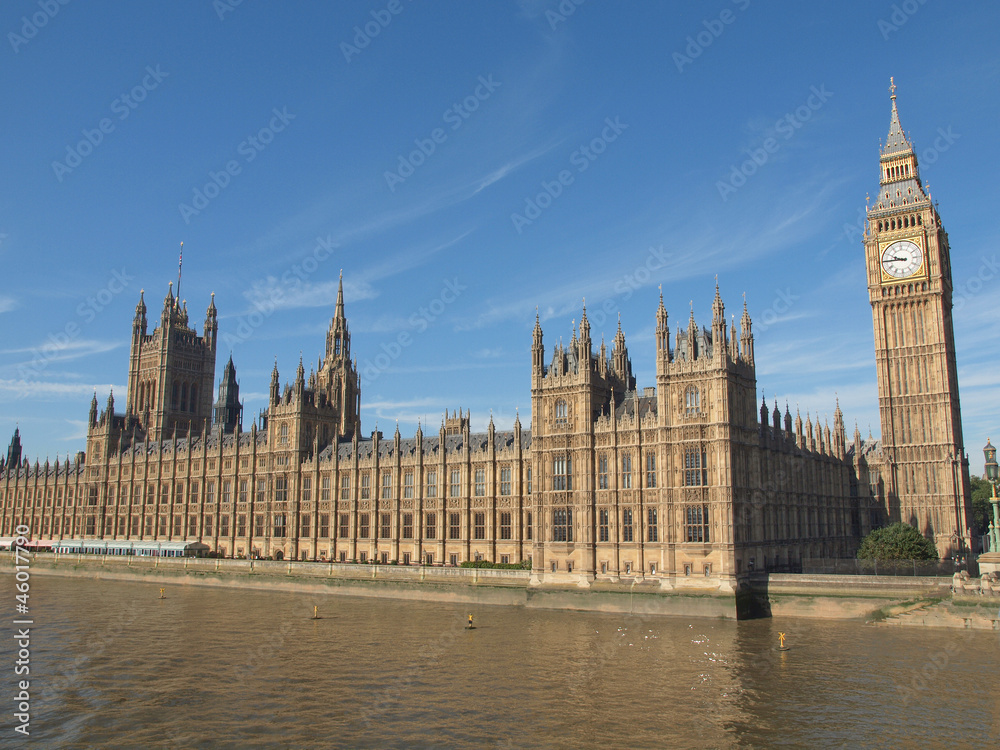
925, 469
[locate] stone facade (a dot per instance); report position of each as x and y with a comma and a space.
921, 463
685, 483
677, 483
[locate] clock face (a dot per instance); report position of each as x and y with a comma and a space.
902, 259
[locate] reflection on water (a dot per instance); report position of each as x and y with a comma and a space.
114, 666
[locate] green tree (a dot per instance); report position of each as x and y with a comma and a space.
982, 509
900, 541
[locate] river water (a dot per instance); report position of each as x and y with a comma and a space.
113, 665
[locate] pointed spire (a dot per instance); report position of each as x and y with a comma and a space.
339, 311
896, 142
718, 309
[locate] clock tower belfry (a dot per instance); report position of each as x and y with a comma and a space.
925, 468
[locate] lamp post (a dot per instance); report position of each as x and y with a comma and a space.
991, 475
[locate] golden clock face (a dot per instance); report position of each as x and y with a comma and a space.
902, 259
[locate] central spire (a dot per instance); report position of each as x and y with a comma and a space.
896, 142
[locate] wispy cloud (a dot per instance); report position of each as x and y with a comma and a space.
61, 351
41, 390
7, 303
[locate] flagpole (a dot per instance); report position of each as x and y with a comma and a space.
180, 262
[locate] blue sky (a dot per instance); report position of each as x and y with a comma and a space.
427, 140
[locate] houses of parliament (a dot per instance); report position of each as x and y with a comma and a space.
687, 479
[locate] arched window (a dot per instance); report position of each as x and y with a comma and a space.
561, 412
175, 395
194, 397
184, 397
692, 400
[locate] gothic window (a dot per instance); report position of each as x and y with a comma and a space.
479, 527
527, 483
184, 397
344, 525
480, 482
562, 473
223, 524
324, 524
175, 395
345, 487
408, 484
261, 490
454, 526
365, 485
407, 526
386, 485
602, 471
208, 526
695, 468
306, 489
652, 528
227, 491
527, 525
505, 480
603, 517
561, 412
626, 471
364, 525
696, 523
651, 470
430, 528
456, 483
280, 489
241, 524
432, 480
244, 490
277, 531
692, 400
505, 525
258, 525
562, 525
627, 525
194, 398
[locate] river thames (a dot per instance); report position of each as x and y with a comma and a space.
113, 665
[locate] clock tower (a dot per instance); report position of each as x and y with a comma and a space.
925, 469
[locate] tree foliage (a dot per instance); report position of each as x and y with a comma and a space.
900, 541
982, 509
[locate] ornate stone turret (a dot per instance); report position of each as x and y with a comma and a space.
228, 409
14, 449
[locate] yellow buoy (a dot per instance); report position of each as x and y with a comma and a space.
315, 613
161, 594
